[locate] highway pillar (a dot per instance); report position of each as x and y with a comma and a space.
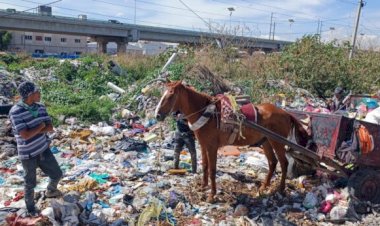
102, 46
121, 47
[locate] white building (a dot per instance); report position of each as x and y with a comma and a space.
140, 47
36, 42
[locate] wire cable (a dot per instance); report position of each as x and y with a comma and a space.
10, 14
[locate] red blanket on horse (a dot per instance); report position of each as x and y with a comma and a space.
227, 110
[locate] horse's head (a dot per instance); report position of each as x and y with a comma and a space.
169, 101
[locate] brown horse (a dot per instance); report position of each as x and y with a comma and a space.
192, 104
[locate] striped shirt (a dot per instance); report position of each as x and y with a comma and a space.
22, 119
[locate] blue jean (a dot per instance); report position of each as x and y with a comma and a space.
49, 165
187, 139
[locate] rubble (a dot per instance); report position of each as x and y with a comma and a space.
121, 174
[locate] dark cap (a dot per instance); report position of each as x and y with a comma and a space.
338, 90
25, 89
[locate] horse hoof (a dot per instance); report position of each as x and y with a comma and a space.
210, 199
281, 191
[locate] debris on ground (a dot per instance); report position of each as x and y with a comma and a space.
121, 173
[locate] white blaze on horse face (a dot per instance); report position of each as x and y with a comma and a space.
159, 103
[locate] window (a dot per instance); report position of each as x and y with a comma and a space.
41, 51
47, 39
63, 39
77, 40
38, 38
78, 53
28, 37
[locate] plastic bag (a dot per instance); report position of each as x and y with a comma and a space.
310, 200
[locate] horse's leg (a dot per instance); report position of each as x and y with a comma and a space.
212, 154
272, 162
281, 151
205, 166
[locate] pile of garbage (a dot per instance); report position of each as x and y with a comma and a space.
120, 174
355, 106
7, 87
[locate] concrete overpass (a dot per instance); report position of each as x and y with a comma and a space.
104, 31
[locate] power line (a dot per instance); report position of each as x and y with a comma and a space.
119, 17
185, 9
245, 20
347, 2
104, 15
10, 14
276, 7
279, 13
207, 23
145, 2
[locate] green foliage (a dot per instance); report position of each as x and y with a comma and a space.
87, 111
9, 58
5, 39
315, 66
307, 64
66, 72
176, 71
46, 63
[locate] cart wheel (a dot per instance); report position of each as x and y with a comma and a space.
365, 185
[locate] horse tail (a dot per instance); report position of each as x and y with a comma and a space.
301, 135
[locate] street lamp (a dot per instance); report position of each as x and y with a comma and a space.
231, 9
291, 21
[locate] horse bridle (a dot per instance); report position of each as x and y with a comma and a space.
191, 114
202, 109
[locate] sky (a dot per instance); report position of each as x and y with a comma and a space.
292, 18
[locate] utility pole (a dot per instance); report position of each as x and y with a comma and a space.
270, 26
319, 36
135, 12
318, 27
361, 4
274, 29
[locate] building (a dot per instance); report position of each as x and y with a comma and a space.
35, 42
140, 47
154, 48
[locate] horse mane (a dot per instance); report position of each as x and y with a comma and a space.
200, 94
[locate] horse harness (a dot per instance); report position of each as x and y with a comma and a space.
210, 110
232, 126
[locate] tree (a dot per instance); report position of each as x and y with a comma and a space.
5, 39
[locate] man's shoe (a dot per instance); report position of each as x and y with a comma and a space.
53, 193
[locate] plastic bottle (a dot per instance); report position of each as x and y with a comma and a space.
362, 111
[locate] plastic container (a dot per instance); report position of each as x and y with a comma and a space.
338, 212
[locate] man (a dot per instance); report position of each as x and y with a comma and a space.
31, 123
337, 100
183, 136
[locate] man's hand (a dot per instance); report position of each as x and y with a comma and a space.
47, 128
29, 133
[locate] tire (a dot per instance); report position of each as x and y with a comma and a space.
364, 185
